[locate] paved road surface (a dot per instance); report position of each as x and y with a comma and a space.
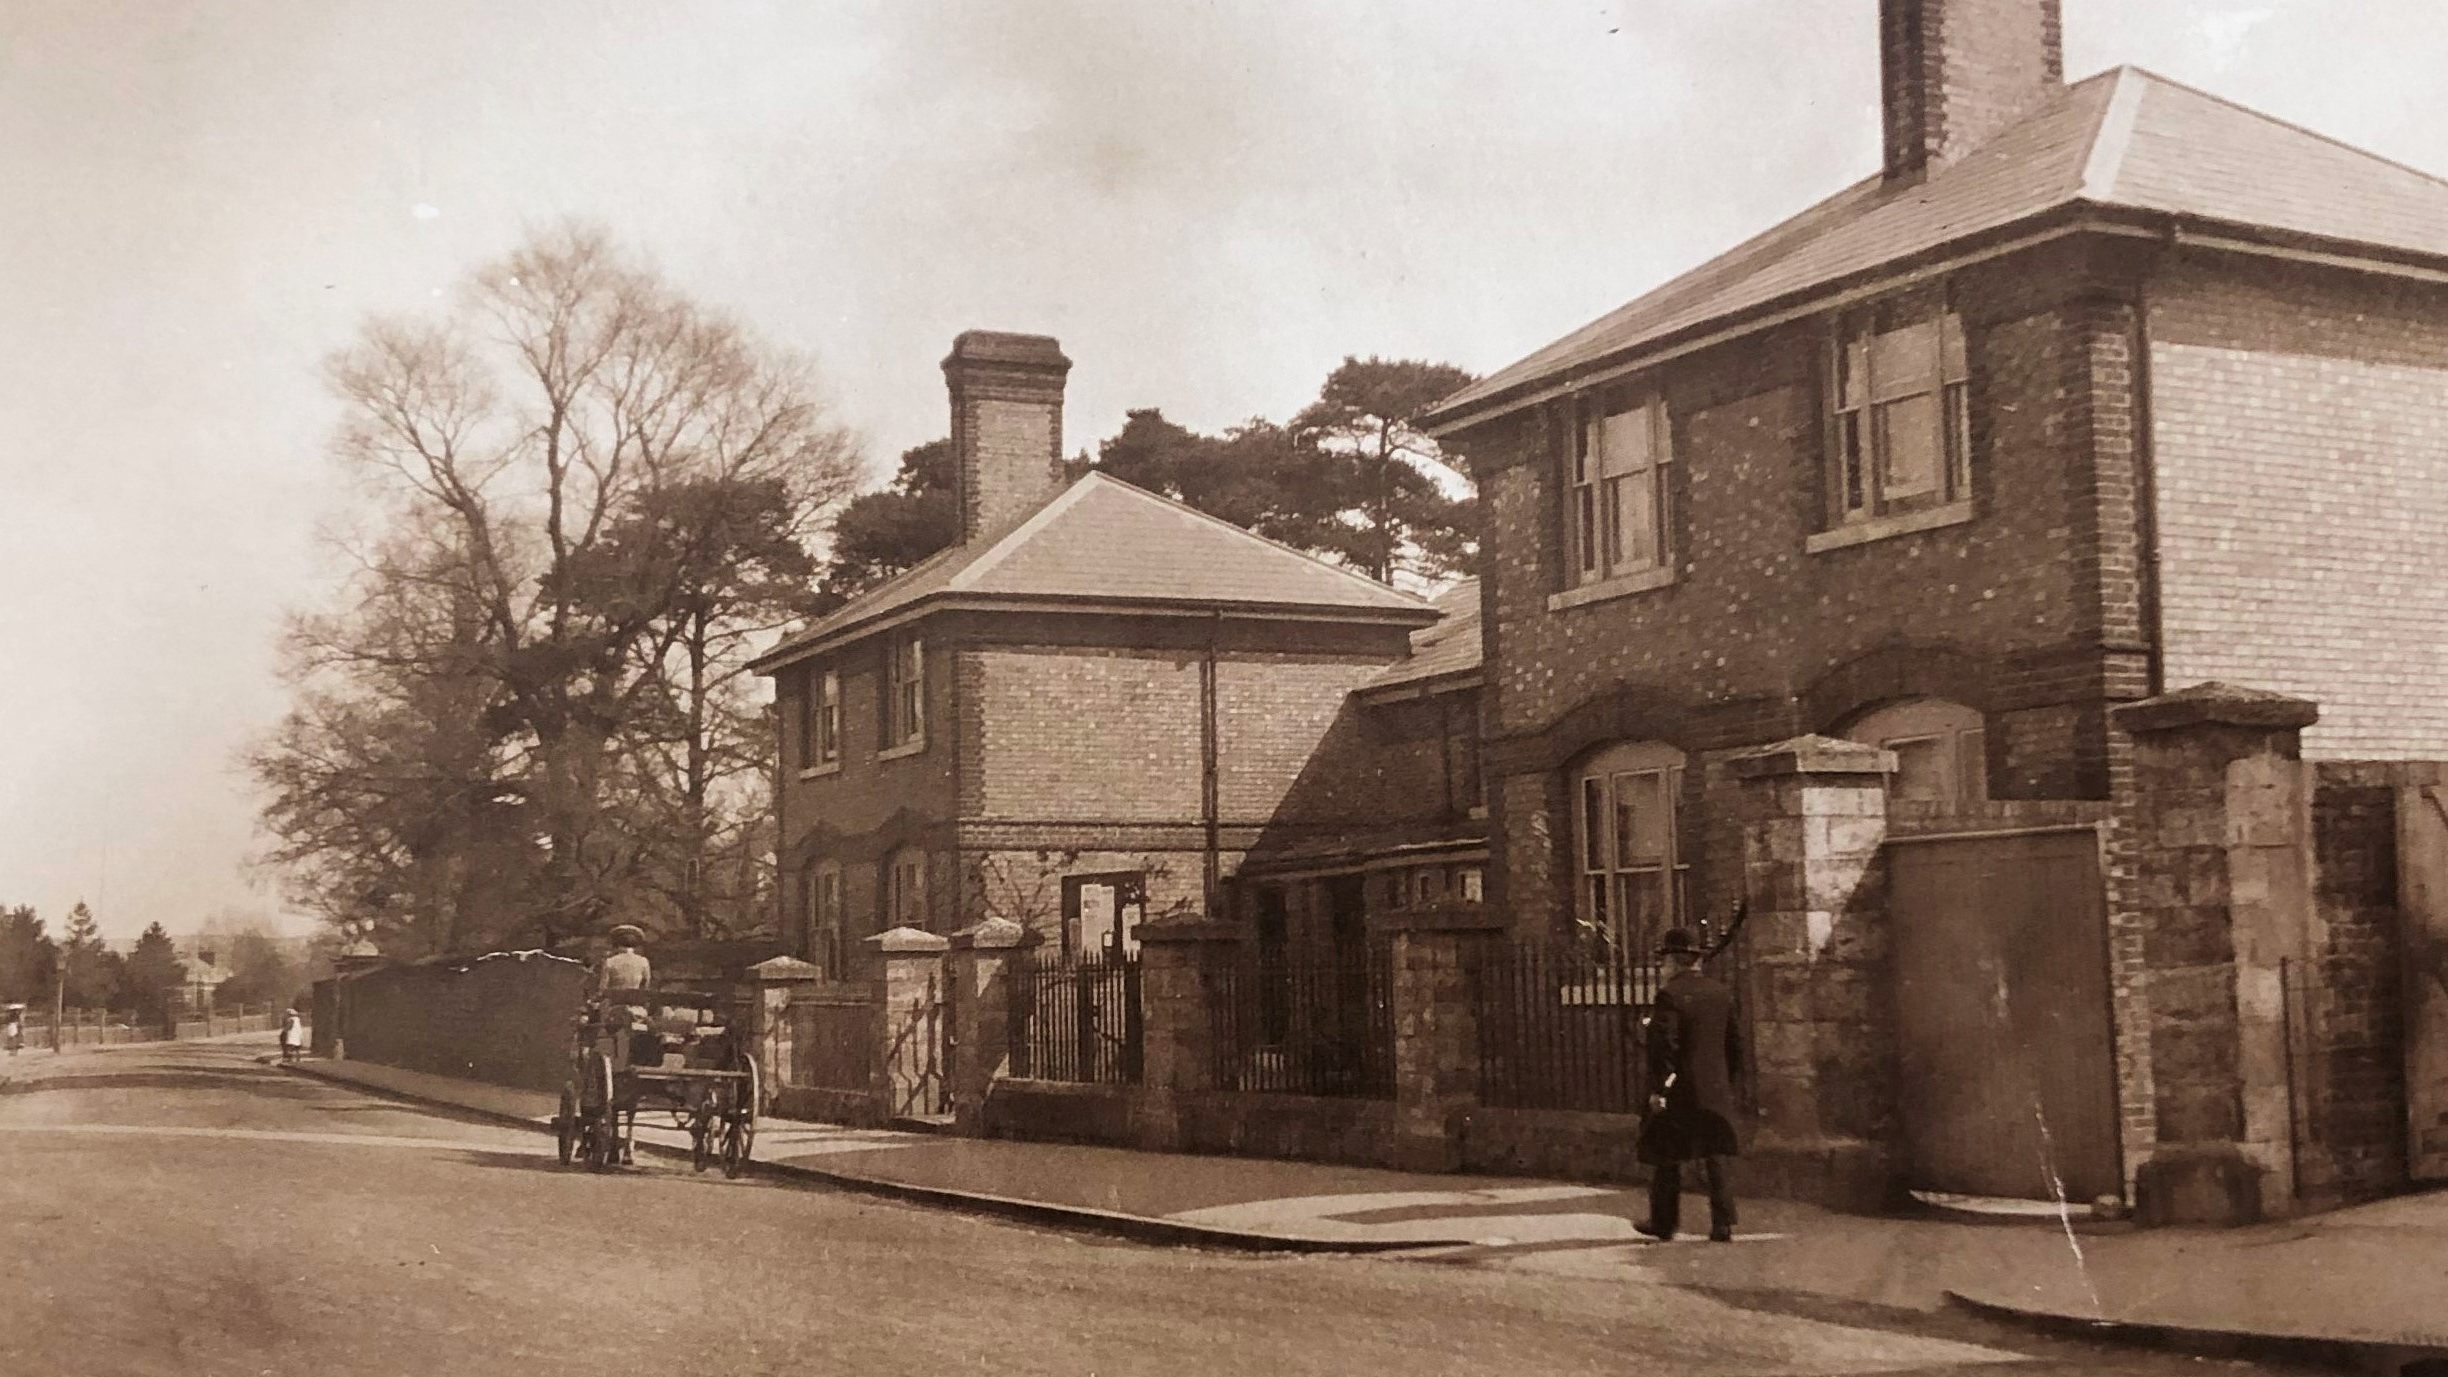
187, 1210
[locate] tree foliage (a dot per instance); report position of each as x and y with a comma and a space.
1351, 477
879, 534
90, 970
153, 976
29, 958
588, 496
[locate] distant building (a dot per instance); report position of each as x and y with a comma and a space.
1092, 710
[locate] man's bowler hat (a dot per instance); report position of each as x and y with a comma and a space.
1678, 942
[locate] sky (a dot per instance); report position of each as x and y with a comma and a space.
1209, 203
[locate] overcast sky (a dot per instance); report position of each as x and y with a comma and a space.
1209, 203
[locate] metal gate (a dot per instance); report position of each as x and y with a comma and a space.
2007, 1075
919, 1055
2422, 887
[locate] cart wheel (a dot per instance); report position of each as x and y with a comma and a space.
565, 1124
603, 1139
739, 1130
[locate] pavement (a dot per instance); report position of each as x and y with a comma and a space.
2366, 1285
187, 1210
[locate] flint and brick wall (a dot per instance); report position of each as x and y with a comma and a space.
2299, 418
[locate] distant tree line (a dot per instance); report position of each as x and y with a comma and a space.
146, 984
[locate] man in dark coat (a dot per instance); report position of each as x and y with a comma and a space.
1695, 1050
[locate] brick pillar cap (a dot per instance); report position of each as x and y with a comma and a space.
783, 969
2218, 705
907, 940
1813, 755
1190, 928
993, 934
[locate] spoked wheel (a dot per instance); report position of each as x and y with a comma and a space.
739, 1129
565, 1124
603, 1117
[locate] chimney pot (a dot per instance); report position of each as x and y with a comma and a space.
1007, 399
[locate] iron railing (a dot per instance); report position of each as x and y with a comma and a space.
1075, 1019
1307, 1024
1561, 1026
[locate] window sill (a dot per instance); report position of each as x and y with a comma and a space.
830, 767
896, 752
1647, 580
1882, 528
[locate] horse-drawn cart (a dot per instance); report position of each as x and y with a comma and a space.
664, 1051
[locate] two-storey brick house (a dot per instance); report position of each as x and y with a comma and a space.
1083, 714
2091, 390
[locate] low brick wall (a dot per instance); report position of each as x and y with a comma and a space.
1063, 1112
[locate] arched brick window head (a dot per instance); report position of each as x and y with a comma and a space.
1940, 749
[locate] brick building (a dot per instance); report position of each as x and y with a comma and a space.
2092, 390
1084, 714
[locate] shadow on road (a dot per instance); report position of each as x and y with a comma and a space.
252, 1081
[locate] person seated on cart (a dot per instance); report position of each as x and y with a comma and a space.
621, 984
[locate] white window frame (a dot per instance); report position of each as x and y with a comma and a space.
1883, 362
905, 693
1604, 878
820, 723
1618, 454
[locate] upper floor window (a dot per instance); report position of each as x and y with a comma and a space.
820, 720
1628, 847
1900, 429
1616, 463
1941, 750
904, 692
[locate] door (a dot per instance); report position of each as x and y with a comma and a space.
2422, 889
2006, 1060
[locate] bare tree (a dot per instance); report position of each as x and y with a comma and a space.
565, 469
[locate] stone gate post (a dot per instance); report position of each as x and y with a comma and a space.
1436, 1029
2218, 823
980, 961
1814, 815
771, 983
1179, 961
909, 1043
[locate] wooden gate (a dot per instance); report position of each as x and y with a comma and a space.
2422, 890
2007, 1075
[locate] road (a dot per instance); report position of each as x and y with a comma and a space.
188, 1210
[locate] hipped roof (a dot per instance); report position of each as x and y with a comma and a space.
2125, 140
1105, 544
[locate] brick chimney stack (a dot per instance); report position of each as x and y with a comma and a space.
1955, 73
1007, 400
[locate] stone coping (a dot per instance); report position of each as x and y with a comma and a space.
2218, 705
994, 934
907, 941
